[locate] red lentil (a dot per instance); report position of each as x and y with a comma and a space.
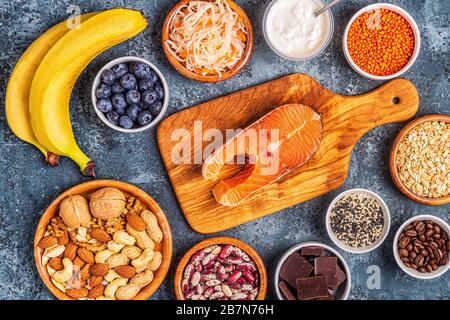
381, 42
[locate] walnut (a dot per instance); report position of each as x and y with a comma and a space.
107, 203
74, 211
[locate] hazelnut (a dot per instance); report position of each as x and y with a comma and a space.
74, 211
107, 203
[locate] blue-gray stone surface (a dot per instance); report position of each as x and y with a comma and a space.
28, 184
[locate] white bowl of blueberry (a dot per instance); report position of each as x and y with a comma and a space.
130, 94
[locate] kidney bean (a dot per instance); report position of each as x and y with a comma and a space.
208, 292
234, 276
216, 295
195, 279
212, 283
197, 257
247, 275
239, 296
189, 271
226, 251
207, 260
211, 248
234, 260
246, 266
185, 285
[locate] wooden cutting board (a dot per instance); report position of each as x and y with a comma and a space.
345, 120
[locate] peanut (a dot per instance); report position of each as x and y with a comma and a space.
143, 260
127, 292
155, 263
132, 252
112, 287
116, 260
114, 246
124, 238
153, 229
142, 279
111, 275
142, 239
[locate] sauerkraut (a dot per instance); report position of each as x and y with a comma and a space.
208, 37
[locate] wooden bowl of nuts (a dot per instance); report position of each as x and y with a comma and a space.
103, 240
420, 160
205, 51
221, 268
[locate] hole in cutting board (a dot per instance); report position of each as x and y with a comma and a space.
395, 100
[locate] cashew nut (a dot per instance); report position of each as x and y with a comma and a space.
60, 286
55, 251
50, 270
45, 260
114, 246
132, 252
142, 239
111, 275
102, 256
143, 260
153, 229
111, 288
66, 273
124, 238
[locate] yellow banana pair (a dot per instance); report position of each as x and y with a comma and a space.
40, 86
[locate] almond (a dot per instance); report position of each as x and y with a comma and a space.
47, 242
96, 292
136, 222
64, 238
56, 263
77, 293
86, 255
84, 273
95, 281
78, 262
126, 271
99, 269
71, 251
100, 235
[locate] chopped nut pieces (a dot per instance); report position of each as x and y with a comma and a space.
423, 159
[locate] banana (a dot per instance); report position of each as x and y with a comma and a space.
18, 89
56, 76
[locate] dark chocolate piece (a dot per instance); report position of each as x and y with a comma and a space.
312, 288
341, 276
327, 266
286, 291
295, 267
312, 251
330, 297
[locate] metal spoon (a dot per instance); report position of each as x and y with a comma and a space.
328, 6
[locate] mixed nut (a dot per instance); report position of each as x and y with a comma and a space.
220, 272
104, 249
424, 246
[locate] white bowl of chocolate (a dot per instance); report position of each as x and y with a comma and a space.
312, 271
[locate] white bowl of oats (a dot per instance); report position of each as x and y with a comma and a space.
420, 160
358, 221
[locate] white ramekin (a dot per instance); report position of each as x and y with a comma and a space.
297, 247
386, 226
411, 22
322, 49
127, 60
414, 273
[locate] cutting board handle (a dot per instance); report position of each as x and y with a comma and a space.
395, 101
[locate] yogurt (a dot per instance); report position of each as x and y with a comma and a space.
293, 31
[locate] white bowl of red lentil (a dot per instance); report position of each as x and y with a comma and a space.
376, 9
358, 216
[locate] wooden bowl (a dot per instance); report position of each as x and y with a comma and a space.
86, 189
209, 78
393, 159
222, 240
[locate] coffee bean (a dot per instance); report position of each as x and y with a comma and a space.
404, 259
409, 247
448, 245
412, 254
433, 261
434, 267
423, 270
413, 266
408, 227
429, 233
407, 264
403, 252
411, 233
429, 225
404, 242
422, 238
424, 252
433, 245
429, 268
437, 229
420, 226
438, 254
416, 250
436, 236
419, 261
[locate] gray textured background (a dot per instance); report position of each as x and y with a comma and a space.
28, 185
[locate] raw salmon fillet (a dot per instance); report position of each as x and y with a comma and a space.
286, 138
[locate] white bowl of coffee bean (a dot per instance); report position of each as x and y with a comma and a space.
422, 246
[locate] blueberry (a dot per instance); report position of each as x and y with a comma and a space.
142, 71
148, 97
125, 122
117, 88
104, 105
119, 70
144, 118
118, 101
103, 91
133, 111
120, 111
155, 108
133, 97
145, 84
128, 81
153, 77
108, 77
159, 91
113, 117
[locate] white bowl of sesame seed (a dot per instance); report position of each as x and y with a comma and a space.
358, 221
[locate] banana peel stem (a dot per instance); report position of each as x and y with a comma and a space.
89, 169
52, 159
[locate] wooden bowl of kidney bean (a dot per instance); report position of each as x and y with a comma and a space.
422, 247
221, 268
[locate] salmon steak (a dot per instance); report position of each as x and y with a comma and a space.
279, 142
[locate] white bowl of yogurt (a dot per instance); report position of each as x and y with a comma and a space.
293, 31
